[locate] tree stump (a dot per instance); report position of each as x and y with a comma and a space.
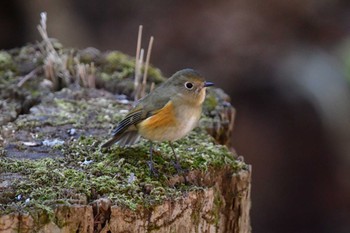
223, 206
55, 178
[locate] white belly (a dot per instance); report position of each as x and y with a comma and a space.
181, 130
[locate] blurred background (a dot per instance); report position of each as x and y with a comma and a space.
285, 64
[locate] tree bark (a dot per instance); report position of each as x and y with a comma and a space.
222, 205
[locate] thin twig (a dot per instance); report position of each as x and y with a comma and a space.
28, 76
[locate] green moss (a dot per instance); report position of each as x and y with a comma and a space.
121, 66
79, 171
117, 61
217, 206
122, 174
77, 113
155, 75
85, 173
199, 151
6, 62
211, 101
195, 215
105, 77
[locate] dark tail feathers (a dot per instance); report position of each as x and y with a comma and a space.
125, 139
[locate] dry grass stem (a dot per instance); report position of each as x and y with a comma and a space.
138, 63
138, 74
137, 59
55, 65
140, 87
86, 74
28, 76
152, 87
148, 57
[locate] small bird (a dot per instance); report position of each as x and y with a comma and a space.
168, 113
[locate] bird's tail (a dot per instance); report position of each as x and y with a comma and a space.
125, 139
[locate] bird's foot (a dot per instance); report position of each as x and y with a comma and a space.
178, 167
180, 171
152, 169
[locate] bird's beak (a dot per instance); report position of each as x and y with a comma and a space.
208, 84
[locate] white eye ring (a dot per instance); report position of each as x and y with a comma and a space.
189, 85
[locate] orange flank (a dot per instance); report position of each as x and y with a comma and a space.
159, 125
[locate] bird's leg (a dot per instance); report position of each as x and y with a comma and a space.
150, 162
176, 163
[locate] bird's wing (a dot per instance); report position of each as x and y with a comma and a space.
139, 113
126, 132
133, 117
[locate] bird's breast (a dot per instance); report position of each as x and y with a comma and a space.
170, 123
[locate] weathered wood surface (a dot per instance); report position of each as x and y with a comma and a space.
222, 207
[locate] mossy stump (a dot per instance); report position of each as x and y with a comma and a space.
212, 209
223, 207
55, 178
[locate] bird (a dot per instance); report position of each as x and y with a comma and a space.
167, 113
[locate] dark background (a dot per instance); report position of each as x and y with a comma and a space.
285, 64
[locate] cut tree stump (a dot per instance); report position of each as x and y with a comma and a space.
214, 209
221, 206
55, 178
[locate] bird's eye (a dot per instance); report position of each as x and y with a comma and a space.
189, 85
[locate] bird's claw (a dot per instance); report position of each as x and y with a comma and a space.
152, 169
